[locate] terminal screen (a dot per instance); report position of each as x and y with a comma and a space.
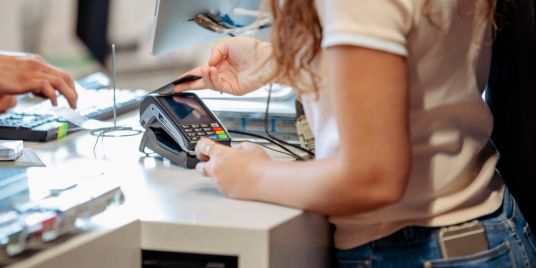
187, 109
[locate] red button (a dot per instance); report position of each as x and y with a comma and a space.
217, 128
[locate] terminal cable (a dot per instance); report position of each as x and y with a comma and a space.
266, 129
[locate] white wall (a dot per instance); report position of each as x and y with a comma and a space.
9, 27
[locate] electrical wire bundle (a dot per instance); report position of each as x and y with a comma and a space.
274, 140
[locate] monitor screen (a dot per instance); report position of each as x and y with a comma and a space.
175, 27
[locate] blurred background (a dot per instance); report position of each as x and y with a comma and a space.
76, 36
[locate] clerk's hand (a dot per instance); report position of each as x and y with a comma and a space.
231, 168
7, 101
235, 67
31, 73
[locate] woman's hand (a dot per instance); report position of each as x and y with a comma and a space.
30, 73
7, 101
231, 169
234, 67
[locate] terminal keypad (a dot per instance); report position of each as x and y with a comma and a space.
194, 132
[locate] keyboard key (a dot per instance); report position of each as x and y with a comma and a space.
220, 132
223, 136
214, 125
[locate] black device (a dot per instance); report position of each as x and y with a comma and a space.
175, 122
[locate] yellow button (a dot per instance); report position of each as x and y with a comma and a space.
220, 132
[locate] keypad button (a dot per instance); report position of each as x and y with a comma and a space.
217, 128
200, 133
207, 129
204, 125
210, 132
198, 129
213, 137
187, 130
194, 138
222, 136
185, 126
191, 134
214, 125
195, 125
220, 132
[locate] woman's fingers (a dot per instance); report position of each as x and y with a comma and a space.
190, 85
220, 52
205, 73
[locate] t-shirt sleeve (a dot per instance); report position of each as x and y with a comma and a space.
376, 24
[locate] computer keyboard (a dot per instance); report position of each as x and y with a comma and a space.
38, 123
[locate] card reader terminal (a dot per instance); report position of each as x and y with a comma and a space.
175, 122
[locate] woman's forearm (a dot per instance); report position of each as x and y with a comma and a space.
323, 186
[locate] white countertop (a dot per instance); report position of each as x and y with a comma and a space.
179, 209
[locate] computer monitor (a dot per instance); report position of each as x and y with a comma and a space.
175, 29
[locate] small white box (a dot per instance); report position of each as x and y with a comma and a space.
10, 149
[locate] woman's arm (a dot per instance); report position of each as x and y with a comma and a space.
371, 168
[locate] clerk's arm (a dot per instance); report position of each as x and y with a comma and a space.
372, 166
7, 101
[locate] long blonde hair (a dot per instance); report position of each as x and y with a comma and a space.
297, 37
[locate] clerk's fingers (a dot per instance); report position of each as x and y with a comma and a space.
66, 78
68, 92
41, 64
43, 87
36, 57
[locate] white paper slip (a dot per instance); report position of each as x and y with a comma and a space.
79, 120
10, 149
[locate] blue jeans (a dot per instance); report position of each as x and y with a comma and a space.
510, 243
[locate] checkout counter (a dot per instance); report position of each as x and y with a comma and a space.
172, 216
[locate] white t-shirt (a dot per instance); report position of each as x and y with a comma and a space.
452, 176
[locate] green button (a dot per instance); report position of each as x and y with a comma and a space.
222, 136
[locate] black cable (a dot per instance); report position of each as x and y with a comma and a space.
266, 112
275, 150
287, 151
